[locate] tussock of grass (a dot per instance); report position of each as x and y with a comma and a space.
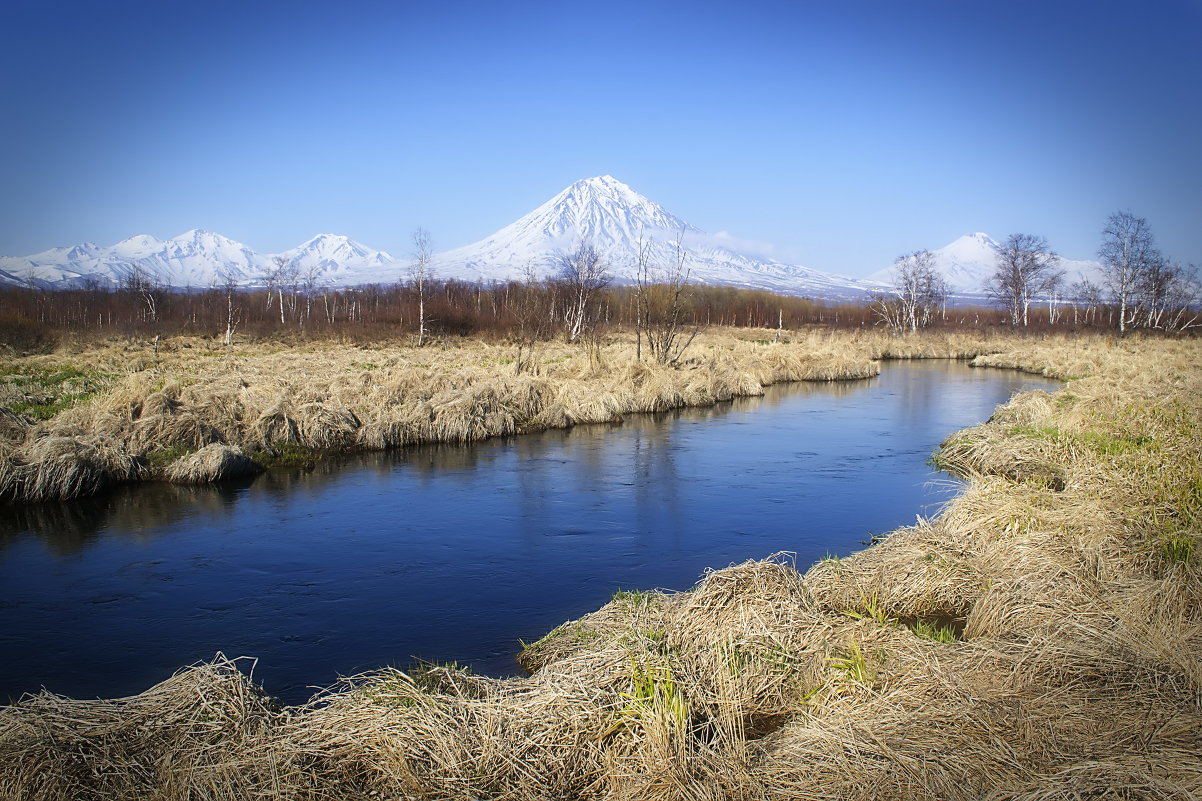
1031, 642
13, 427
55, 468
198, 734
214, 462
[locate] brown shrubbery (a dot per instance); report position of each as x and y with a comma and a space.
498, 311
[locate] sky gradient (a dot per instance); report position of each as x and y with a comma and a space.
837, 134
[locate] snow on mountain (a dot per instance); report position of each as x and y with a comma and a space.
342, 261
967, 265
137, 247
55, 267
612, 217
197, 259
602, 212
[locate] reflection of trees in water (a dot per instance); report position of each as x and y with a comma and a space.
646, 462
65, 528
137, 513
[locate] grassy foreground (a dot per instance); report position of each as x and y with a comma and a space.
1040, 639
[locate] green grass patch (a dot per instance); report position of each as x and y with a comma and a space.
1112, 445
47, 391
655, 698
855, 666
872, 609
286, 454
1099, 442
162, 457
575, 634
644, 598
934, 631
1177, 548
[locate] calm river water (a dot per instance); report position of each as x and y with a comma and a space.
453, 553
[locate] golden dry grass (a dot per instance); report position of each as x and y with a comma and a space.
1073, 587
270, 400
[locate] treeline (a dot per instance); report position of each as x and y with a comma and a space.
540, 309
33, 319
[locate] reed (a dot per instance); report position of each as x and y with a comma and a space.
1067, 666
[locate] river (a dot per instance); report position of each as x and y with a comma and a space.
455, 552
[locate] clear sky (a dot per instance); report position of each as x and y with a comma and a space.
843, 132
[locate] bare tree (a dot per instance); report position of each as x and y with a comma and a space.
1026, 268
1128, 252
1088, 294
233, 314
420, 274
660, 302
919, 291
1164, 293
139, 282
282, 273
527, 302
311, 280
585, 272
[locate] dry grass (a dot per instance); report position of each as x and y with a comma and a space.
56, 467
211, 463
198, 734
1040, 639
329, 397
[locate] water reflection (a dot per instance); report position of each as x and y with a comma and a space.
138, 513
450, 552
144, 511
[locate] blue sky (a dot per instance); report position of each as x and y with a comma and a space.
841, 132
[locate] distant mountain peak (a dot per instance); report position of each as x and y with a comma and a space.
606, 180
968, 263
612, 216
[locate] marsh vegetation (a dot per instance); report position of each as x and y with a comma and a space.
1038, 639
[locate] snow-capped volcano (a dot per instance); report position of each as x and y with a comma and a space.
967, 265
602, 212
615, 219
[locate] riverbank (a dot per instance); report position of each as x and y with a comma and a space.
190, 410
1039, 639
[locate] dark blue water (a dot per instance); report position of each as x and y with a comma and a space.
453, 553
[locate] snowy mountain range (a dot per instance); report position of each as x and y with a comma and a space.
968, 263
601, 211
194, 259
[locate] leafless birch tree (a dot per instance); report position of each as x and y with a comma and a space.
420, 274
660, 302
919, 291
1026, 268
585, 273
1128, 252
